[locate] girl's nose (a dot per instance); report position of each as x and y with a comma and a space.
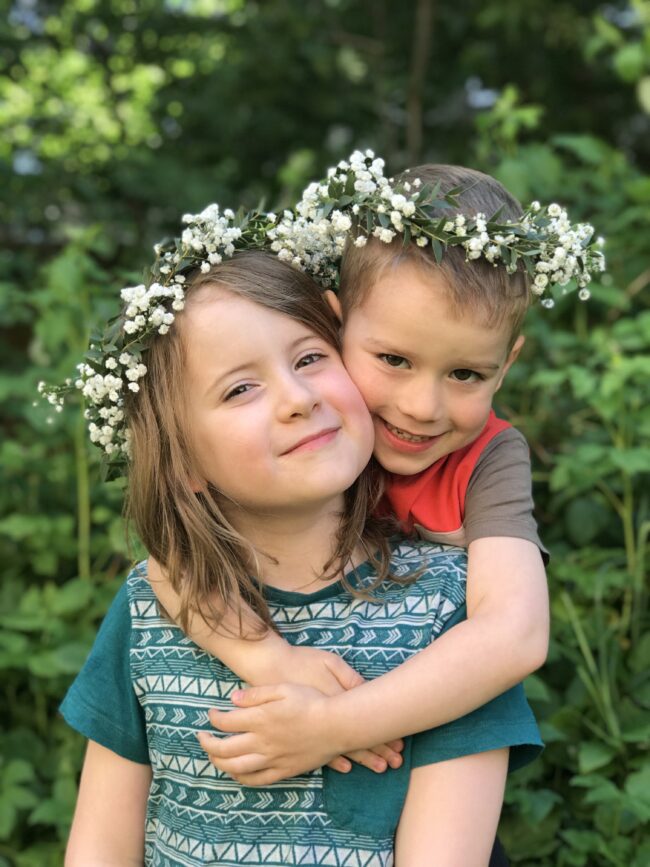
297, 399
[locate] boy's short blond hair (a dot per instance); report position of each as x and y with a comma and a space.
474, 285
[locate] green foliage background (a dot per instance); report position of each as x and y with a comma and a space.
117, 116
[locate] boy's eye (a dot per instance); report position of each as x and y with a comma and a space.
464, 375
393, 360
310, 358
238, 390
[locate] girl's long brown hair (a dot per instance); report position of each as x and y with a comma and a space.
210, 565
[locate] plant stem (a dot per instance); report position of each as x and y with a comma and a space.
83, 498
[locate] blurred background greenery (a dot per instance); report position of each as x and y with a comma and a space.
117, 116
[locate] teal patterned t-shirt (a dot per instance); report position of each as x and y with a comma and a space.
146, 689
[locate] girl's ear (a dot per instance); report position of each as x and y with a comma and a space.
333, 301
196, 485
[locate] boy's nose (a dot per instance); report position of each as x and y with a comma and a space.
422, 402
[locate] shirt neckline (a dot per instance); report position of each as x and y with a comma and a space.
292, 597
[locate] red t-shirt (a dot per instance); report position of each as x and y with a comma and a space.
487, 483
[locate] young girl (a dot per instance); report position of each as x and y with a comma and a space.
247, 445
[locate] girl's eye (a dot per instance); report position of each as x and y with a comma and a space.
310, 358
238, 390
464, 375
393, 360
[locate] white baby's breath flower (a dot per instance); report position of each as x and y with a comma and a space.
539, 284
385, 235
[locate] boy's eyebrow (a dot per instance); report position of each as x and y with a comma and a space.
462, 364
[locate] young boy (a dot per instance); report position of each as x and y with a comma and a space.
428, 344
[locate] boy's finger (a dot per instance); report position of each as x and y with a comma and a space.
369, 760
248, 764
226, 748
340, 764
262, 778
231, 720
347, 677
397, 745
255, 695
392, 758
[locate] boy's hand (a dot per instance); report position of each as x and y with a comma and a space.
330, 674
320, 669
281, 731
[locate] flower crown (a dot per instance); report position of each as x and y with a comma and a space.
355, 202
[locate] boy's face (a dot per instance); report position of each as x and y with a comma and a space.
428, 376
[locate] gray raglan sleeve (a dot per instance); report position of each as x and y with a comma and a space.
499, 499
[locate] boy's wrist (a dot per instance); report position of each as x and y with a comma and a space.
264, 660
340, 733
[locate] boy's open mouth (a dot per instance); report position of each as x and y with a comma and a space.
405, 435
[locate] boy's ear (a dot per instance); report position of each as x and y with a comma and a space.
333, 301
512, 357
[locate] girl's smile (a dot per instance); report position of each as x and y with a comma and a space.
313, 442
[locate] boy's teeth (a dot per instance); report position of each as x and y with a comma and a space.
404, 435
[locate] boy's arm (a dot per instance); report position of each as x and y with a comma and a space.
503, 640
108, 825
272, 660
258, 661
254, 661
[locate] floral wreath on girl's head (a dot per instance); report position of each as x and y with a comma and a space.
355, 201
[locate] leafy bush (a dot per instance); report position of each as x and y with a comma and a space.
114, 124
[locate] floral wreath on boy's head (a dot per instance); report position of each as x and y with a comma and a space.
354, 201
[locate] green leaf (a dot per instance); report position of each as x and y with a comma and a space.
593, 755
17, 771
536, 689
71, 597
630, 60
637, 785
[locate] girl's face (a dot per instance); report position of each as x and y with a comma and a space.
276, 421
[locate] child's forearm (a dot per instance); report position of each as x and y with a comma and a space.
256, 661
503, 640
459, 672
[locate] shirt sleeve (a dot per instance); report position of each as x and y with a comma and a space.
499, 499
101, 703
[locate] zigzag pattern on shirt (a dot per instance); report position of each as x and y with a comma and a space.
198, 816
277, 854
